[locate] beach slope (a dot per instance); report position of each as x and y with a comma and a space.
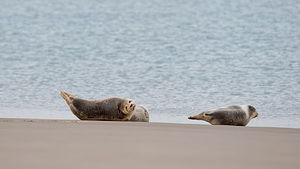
30, 143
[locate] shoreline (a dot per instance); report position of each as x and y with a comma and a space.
154, 118
109, 144
190, 122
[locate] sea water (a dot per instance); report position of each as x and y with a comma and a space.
176, 57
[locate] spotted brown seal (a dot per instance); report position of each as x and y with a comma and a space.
115, 108
237, 115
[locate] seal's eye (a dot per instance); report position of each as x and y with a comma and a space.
126, 107
129, 101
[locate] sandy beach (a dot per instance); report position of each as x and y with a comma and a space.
30, 143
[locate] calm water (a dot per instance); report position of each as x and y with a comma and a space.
176, 57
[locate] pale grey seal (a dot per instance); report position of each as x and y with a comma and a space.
237, 115
140, 114
115, 108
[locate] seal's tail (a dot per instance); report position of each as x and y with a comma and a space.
67, 96
200, 116
195, 117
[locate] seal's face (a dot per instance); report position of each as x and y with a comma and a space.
128, 106
252, 112
145, 113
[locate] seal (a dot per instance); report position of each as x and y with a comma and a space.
140, 114
237, 115
113, 109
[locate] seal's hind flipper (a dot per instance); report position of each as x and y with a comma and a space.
67, 96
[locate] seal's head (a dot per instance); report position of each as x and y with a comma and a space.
127, 106
140, 114
146, 113
252, 112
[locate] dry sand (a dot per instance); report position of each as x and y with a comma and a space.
28, 143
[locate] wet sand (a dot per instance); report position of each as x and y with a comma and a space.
30, 143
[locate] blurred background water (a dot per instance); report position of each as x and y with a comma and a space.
176, 57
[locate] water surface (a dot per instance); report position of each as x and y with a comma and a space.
177, 58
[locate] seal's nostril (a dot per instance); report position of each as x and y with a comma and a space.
130, 105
